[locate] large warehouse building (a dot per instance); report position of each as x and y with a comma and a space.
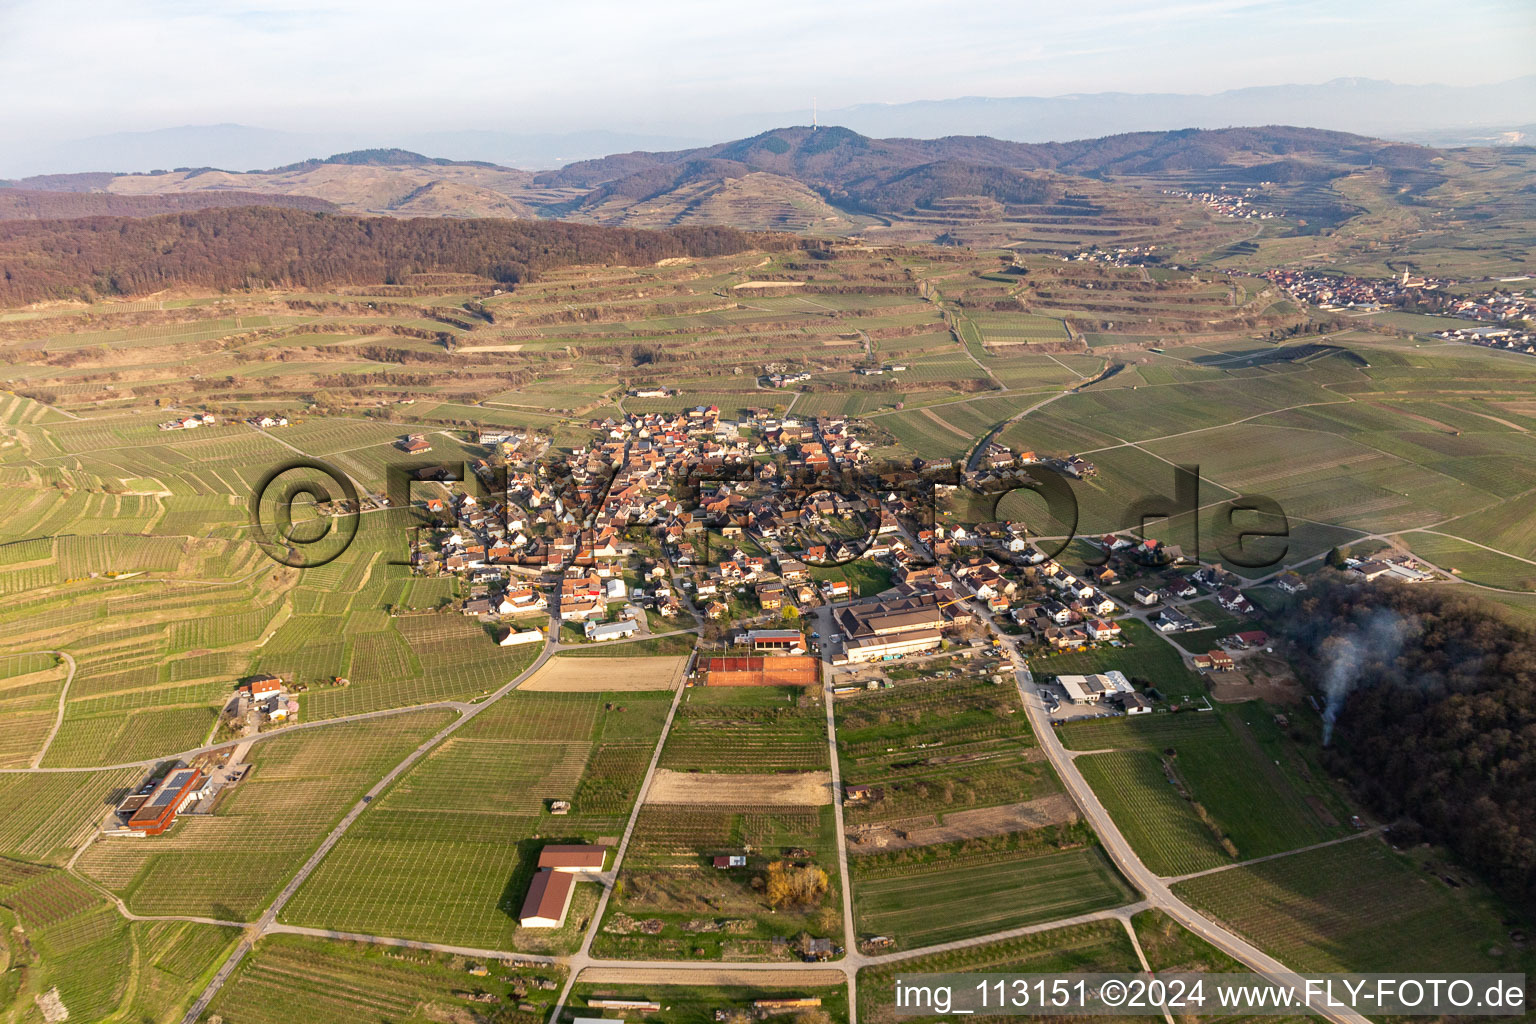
1091, 689
884, 629
158, 813
549, 897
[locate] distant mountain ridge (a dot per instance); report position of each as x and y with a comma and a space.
389, 157
860, 173
786, 178
836, 155
39, 204
1357, 105
1437, 114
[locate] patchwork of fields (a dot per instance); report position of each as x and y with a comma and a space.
128, 548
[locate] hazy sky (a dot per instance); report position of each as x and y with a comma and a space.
77, 67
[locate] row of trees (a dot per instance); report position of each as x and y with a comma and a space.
263, 247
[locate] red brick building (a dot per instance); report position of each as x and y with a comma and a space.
175, 791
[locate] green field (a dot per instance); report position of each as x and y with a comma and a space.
1100, 946
64, 935
299, 785
1357, 906
1145, 655
980, 895
1193, 791
479, 804
886, 740
129, 547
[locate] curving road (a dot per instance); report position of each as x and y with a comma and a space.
58, 719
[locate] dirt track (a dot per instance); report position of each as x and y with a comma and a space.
973, 824
796, 789
591, 675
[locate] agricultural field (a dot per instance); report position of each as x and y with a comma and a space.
1359, 906
128, 546
1098, 946
317, 981
1199, 790
299, 785
985, 756
66, 937
564, 674
671, 903
984, 885
479, 807
748, 729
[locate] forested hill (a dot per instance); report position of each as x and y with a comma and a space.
837, 157
34, 204
263, 247
1437, 721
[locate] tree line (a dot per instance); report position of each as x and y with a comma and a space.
249, 248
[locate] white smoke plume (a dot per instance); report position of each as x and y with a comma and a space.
1347, 658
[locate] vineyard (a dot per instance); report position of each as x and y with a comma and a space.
299, 785
980, 895
935, 744
1184, 786
737, 730
474, 806
1101, 946
98, 961
293, 980
1357, 906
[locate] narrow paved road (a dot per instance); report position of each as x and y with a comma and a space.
850, 937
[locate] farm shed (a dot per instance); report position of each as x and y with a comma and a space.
574, 858
549, 897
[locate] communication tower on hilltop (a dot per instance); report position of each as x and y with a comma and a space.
814, 126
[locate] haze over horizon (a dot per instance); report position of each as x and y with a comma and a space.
388, 73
